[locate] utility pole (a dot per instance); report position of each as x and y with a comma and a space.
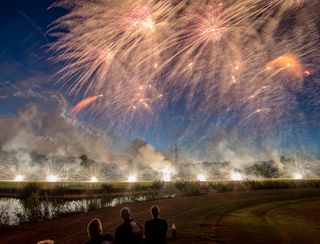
176, 156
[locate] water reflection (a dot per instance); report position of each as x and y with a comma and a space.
15, 211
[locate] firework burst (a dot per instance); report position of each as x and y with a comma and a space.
205, 23
219, 61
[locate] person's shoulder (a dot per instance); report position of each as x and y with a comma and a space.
122, 225
106, 242
88, 242
135, 226
163, 222
149, 221
120, 228
107, 237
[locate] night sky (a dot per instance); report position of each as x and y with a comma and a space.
27, 78
23, 49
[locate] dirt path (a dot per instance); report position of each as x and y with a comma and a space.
204, 219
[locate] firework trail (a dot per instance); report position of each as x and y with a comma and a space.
82, 104
214, 64
288, 62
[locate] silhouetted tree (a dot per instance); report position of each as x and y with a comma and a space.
267, 169
86, 162
285, 160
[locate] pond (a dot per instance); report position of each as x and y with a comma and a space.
15, 211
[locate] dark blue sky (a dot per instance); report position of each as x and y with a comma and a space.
25, 65
23, 26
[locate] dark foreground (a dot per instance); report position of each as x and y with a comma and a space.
269, 216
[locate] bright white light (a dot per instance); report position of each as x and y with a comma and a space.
52, 178
201, 178
297, 176
93, 179
19, 178
236, 176
166, 175
132, 178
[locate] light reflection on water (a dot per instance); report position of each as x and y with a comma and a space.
8, 209
12, 208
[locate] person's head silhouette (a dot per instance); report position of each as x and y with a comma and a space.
125, 213
46, 242
155, 211
94, 228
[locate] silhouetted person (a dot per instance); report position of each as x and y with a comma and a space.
46, 242
95, 233
156, 229
130, 232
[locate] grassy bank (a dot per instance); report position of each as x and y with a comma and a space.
79, 189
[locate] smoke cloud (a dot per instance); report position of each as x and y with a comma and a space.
148, 155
